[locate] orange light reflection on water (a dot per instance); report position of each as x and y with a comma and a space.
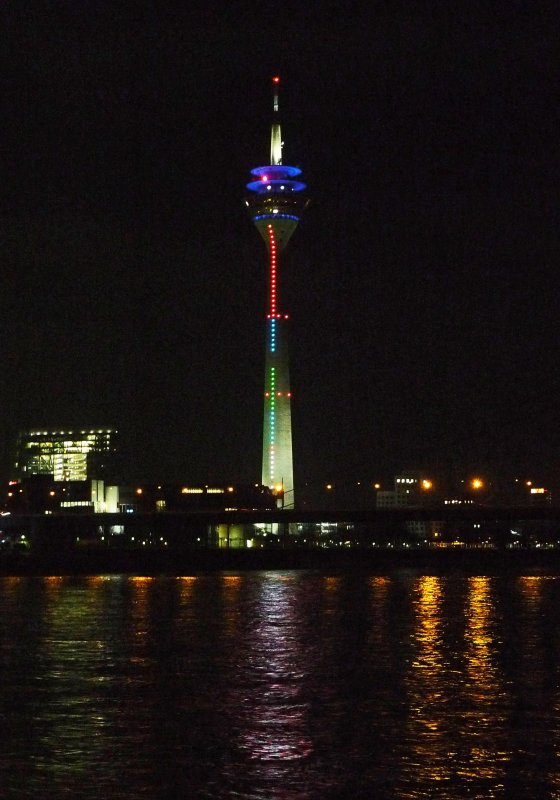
379, 635
486, 712
331, 583
425, 684
531, 587
453, 736
11, 582
231, 585
187, 584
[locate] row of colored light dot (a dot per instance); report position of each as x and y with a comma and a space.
273, 335
278, 394
277, 216
277, 316
264, 179
272, 244
272, 419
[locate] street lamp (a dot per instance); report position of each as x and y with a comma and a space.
279, 492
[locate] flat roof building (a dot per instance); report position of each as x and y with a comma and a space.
66, 455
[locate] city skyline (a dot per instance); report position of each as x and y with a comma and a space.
424, 283
74, 457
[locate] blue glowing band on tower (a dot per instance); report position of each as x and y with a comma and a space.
275, 172
276, 216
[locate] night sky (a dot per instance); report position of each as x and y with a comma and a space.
423, 282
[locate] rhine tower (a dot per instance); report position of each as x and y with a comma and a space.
276, 205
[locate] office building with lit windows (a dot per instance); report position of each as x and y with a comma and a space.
275, 206
410, 489
66, 455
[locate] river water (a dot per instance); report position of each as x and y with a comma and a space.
280, 685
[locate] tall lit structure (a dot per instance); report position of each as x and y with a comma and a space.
276, 205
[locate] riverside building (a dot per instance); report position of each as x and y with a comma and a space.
66, 455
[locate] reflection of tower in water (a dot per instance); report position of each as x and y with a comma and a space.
276, 206
273, 665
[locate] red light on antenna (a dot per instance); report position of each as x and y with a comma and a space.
276, 79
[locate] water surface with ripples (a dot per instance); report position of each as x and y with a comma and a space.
283, 685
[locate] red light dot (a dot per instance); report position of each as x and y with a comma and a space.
276, 79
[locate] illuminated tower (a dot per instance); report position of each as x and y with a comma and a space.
276, 206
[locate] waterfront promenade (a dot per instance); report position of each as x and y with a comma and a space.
445, 513
374, 560
372, 539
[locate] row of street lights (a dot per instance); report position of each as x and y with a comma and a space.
426, 484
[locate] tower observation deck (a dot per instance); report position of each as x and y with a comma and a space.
275, 206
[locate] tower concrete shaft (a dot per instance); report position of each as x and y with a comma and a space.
275, 207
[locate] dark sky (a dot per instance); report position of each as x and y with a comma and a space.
422, 283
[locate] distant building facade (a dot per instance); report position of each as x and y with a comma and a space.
410, 489
41, 494
67, 455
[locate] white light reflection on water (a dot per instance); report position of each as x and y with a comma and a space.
272, 726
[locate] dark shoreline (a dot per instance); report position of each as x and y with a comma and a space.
376, 562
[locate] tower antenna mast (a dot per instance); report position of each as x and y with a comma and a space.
276, 132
